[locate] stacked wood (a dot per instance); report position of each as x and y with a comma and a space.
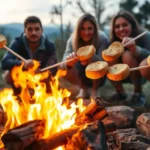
133, 146
53, 141
20, 137
143, 124
92, 137
94, 111
62, 137
29, 136
127, 139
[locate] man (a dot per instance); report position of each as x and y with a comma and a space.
30, 45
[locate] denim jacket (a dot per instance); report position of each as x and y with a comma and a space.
45, 53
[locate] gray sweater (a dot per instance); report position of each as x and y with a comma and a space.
143, 47
103, 44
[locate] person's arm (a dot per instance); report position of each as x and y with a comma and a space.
139, 50
67, 52
143, 51
9, 60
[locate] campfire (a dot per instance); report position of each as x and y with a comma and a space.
37, 117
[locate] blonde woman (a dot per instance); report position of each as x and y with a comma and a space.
85, 33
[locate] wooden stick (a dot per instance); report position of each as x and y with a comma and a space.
135, 38
14, 53
55, 65
58, 64
141, 67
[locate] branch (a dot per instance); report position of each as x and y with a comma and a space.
80, 6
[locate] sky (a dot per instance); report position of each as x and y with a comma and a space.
18, 10
15, 11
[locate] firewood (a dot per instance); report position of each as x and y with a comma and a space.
94, 111
23, 135
92, 138
109, 126
133, 145
55, 140
61, 138
3, 116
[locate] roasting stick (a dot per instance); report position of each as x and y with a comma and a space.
3, 43
135, 38
138, 68
55, 65
116, 49
141, 67
11, 51
90, 51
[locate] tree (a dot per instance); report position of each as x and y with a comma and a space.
97, 8
144, 14
60, 42
128, 5
141, 12
60, 49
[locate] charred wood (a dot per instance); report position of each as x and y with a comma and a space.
92, 138
94, 111
62, 137
133, 146
20, 137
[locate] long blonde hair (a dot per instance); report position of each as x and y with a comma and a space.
77, 42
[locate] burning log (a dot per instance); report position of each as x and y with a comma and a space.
20, 137
29, 135
54, 141
94, 111
3, 117
92, 138
62, 137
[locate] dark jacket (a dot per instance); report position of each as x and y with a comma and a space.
45, 53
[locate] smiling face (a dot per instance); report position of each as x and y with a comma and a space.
87, 31
33, 31
122, 28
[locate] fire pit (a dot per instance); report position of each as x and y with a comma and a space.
35, 117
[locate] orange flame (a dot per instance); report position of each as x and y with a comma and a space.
36, 103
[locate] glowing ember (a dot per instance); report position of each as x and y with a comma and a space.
36, 103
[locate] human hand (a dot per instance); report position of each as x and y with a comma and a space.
71, 56
131, 46
28, 64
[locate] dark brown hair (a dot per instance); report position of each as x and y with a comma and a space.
32, 19
130, 18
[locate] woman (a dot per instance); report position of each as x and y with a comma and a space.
85, 33
124, 27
